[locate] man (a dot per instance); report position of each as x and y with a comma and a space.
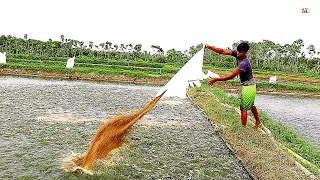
247, 82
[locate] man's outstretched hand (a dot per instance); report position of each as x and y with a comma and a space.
212, 80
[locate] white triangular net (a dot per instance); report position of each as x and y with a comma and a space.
190, 74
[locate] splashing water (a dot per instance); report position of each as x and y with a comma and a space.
109, 136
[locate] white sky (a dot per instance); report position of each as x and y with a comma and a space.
175, 24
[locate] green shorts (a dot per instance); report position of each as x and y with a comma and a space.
248, 95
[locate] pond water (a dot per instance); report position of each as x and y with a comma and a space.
43, 121
300, 113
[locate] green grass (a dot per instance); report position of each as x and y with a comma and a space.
281, 133
261, 71
59, 66
138, 69
101, 70
87, 60
290, 139
211, 100
282, 86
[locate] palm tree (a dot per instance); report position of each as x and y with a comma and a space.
90, 45
62, 38
115, 51
81, 43
122, 48
129, 47
26, 44
102, 45
25, 36
137, 50
115, 47
96, 51
159, 53
108, 47
311, 50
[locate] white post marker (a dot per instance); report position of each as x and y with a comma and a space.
70, 62
273, 79
189, 75
3, 59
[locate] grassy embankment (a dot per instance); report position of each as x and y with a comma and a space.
145, 72
264, 158
286, 83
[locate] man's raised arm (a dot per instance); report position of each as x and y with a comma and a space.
218, 50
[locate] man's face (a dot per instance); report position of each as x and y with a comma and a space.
241, 54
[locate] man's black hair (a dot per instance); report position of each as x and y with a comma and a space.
243, 47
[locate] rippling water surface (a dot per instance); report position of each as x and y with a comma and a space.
298, 112
42, 121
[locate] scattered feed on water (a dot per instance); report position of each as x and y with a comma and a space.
151, 122
109, 136
69, 118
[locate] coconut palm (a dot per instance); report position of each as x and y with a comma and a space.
108, 45
137, 51
311, 50
62, 38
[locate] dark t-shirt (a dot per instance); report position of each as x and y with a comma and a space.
245, 66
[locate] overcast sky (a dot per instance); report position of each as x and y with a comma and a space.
175, 24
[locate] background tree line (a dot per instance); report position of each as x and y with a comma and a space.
265, 55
